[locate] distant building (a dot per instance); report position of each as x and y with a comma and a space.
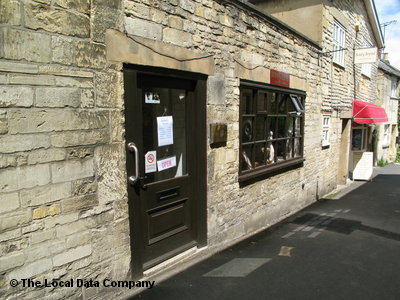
388, 96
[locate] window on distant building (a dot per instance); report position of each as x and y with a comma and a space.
271, 128
386, 135
394, 89
325, 130
339, 43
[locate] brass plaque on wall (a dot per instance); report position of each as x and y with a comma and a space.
218, 134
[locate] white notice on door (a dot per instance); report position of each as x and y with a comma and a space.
165, 131
167, 163
150, 162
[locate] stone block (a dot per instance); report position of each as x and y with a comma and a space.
72, 170
110, 160
72, 255
47, 155
32, 79
79, 239
3, 121
15, 219
59, 70
117, 126
7, 161
175, 22
137, 10
216, 89
87, 98
24, 177
82, 6
58, 97
61, 220
143, 28
10, 13
11, 261
187, 5
45, 194
107, 3
32, 46
18, 67
177, 37
90, 55
32, 269
34, 120
62, 50
109, 91
79, 203
16, 143
80, 138
104, 18
10, 234
80, 153
11, 96
83, 187
79, 226
74, 82
226, 20
9, 202
40, 16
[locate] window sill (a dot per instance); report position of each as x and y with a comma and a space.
394, 98
275, 168
339, 66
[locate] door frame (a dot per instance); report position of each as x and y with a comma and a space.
200, 131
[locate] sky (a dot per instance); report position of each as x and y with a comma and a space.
389, 10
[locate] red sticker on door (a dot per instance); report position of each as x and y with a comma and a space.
150, 162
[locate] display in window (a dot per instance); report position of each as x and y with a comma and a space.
247, 162
248, 130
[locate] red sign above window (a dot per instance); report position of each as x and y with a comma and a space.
280, 78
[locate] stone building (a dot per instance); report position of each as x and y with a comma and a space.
341, 28
388, 96
135, 135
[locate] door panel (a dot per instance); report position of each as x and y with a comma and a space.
160, 113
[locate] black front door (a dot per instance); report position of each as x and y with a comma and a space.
165, 135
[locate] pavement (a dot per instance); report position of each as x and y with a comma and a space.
345, 247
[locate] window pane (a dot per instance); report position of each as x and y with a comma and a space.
289, 149
246, 158
247, 129
290, 129
297, 147
260, 128
281, 127
281, 103
247, 96
272, 103
297, 126
280, 150
262, 102
260, 155
357, 139
271, 128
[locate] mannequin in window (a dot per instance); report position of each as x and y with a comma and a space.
271, 156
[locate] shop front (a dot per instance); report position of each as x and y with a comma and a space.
365, 116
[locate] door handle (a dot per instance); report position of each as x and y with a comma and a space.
132, 148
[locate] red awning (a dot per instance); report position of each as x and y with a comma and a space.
368, 113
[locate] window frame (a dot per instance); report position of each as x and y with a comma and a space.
386, 132
326, 128
339, 42
394, 87
292, 141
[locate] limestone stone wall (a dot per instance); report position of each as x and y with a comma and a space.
63, 203
64, 211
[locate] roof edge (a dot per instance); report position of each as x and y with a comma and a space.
271, 19
376, 28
